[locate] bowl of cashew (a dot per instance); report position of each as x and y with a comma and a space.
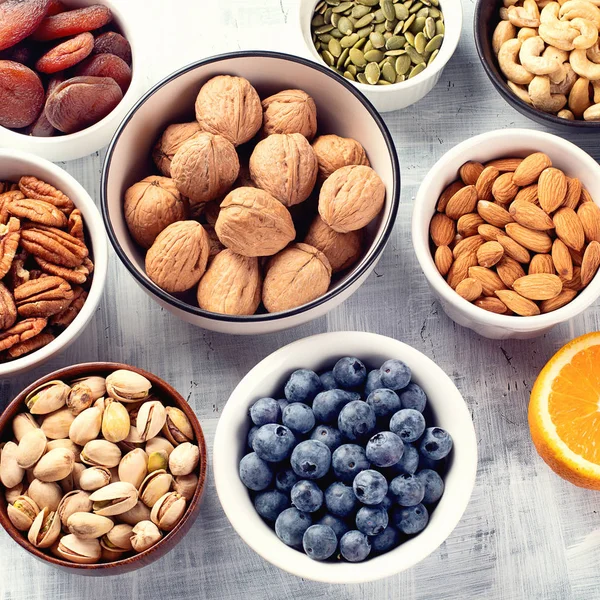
543, 57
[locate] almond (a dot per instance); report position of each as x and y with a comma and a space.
462, 203
485, 183
530, 169
489, 254
467, 225
541, 263
442, 230
489, 232
552, 189
513, 249
470, 244
575, 282
573, 195
529, 215
490, 304
504, 190
443, 259
589, 215
518, 304
460, 268
493, 213
585, 196
528, 194
558, 301
470, 289
561, 258
488, 278
569, 228
470, 172
591, 262
505, 164
576, 257
538, 241
447, 194
509, 270
541, 286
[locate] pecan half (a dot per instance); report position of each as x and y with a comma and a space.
67, 316
35, 343
8, 310
18, 274
43, 297
39, 190
75, 275
5, 200
22, 331
9, 243
38, 211
88, 264
53, 245
75, 225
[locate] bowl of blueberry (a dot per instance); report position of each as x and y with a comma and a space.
345, 457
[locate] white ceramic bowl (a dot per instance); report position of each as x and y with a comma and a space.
87, 141
15, 164
340, 108
386, 98
495, 144
320, 352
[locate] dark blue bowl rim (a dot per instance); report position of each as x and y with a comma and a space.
175, 302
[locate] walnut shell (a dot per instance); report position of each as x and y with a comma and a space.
351, 198
229, 106
297, 275
205, 167
169, 142
151, 205
341, 249
177, 259
231, 285
334, 152
290, 111
253, 223
285, 165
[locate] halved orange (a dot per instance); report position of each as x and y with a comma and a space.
564, 412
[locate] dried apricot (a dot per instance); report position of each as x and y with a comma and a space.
112, 42
21, 95
67, 54
55, 7
82, 101
41, 127
20, 18
73, 22
107, 65
21, 53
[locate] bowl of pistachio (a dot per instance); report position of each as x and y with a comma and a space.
102, 470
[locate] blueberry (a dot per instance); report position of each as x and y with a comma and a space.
439, 466
251, 435
273, 443
370, 487
355, 546
388, 501
408, 424
319, 542
265, 410
373, 381
349, 372
269, 504
371, 520
348, 460
255, 473
407, 490
282, 404
327, 405
340, 499
285, 480
328, 380
291, 525
385, 449
395, 374
330, 436
433, 483
339, 526
411, 519
311, 459
413, 396
307, 496
356, 420
387, 540
302, 386
436, 443
384, 402
298, 417
409, 462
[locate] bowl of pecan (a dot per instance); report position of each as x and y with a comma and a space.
69, 72
53, 260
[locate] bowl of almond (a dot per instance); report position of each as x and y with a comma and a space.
506, 228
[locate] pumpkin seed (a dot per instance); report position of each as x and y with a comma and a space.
435, 43
415, 8
398, 28
319, 6
357, 57
402, 64
417, 69
349, 40
317, 21
335, 47
342, 58
395, 52
440, 28
383, 82
327, 15
434, 13
360, 11
388, 73
368, 2
335, 19
337, 34
408, 23
395, 42
368, 46
418, 25
379, 16
328, 58
400, 78
432, 57
401, 12
429, 29
323, 29
365, 31
420, 42
372, 73
317, 45
415, 56
360, 43
377, 40
424, 12
374, 56
345, 25
324, 39
349, 76
352, 70
361, 78
410, 38
364, 21
387, 7
333, 2
342, 7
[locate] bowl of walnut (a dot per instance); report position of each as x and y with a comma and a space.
244, 199
53, 260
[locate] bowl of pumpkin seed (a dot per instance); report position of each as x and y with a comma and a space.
394, 51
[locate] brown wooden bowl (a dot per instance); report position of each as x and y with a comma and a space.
170, 397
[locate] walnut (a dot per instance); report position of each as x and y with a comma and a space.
351, 198
177, 259
334, 152
169, 142
285, 165
151, 205
290, 111
253, 223
295, 276
341, 249
229, 106
231, 285
205, 167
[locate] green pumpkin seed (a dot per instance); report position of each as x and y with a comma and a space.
420, 42
408, 23
372, 73
434, 13
402, 64
395, 42
364, 21
415, 8
417, 69
317, 21
368, 2
377, 40
424, 12
389, 12
328, 58
352, 69
391, 25
333, 2
401, 12
360, 77
324, 39
398, 28
400, 78
383, 82
317, 45
379, 16
327, 15
343, 7
319, 6
335, 47
335, 19
380, 28
360, 11
337, 34
368, 46
418, 25
415, 56
361, 42
388, 72
357, 57
323, 29
349, 40
432, 57
374, 56
349, 76
345, 25
342, 58
410, 38
365, 31
440, 28
435, 43
429, 29
395, 52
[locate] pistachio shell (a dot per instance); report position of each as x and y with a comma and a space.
31, 448
78, 469
45, 495
80, 398
127, 386
157, 444
76, 550
157, 461
55, 465
151, 419
168, 511
67, 484
22, 513
68, 444
157, 484
184, 459
88, 525
47, 398
118, 539
10, 472
186, 485
56, 425
86, 426
134, 436
45, 529
140, 512
101, 453
94, 478
114, 499
114, 475
144, 535
22, 424
178, 428
108, 556
115, 422
96, 384
134, 467
11, 494
73, 502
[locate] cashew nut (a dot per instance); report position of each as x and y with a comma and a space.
558, 34
596, 86
504, 31
565, 86
520, 91
584, 67
526, 32
531, 59
504, 13
588, 33
561, 56
527, 15
508, 3
507, 59
550, 12
539, 92
565, 114
592, 113
579, 98
593, 53
580, 8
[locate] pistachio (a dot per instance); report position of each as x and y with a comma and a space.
114, 499
22, 424
134, 467
88, 525
114, 474
140, 512
134, 436
22, 513
178, 428
100, 403
31, 448
96, 385
56, 425
55, 465
47, 398
10, 472
101, 453
118, 539
45, 495
115, 422
68, 483
144, 535
11, 494
94, 478
74, 549
108, 556
157, 461
78, 469
73, 502
168, 511
45, 529
157, 484
184, 459
186, 485
157, 444
127, 386
86, 426
80, 398
68, 444
151, 419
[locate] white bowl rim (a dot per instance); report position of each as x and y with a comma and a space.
362, 267
99, 247
421, 243
343, 572
449, 45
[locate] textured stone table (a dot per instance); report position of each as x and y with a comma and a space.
526, 533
